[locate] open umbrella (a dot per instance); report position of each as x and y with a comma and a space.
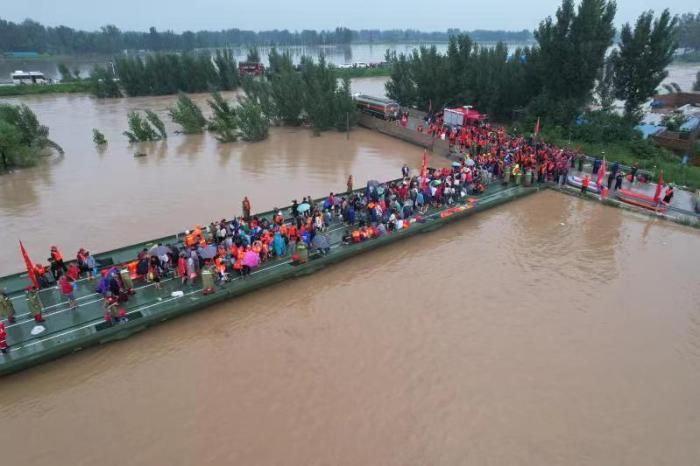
208, 252
435, 182
251, 259
456, 164
303, 207
470, 162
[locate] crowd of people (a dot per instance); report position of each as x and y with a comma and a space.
235, 248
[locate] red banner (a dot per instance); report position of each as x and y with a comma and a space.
29, 265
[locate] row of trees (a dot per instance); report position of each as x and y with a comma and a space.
287, 97
555, 78
689, 31
23, 140
32, 36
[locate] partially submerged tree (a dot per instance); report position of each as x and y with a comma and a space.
98, 138
400, 85
157, 123
188, 115
103, 84
287, 89
223, 121
253, 124
23, 140
140, 129
643, 56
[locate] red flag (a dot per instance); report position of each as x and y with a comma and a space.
659, 185
424, 171
537, 127
29, 265
601, 175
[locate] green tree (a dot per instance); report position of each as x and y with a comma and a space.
98, 138
66, 75
253, 124
157, 123
227, 70
345, 111
643, 56
23, 140
140, 129
400, 86
571, 50
102, 83
320, 83
224, 121
188, 115
286, 88
605, 89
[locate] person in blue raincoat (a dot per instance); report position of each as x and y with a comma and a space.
278, 245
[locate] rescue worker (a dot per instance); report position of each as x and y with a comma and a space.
584, 185
65, 285
40, 272
208, 279
34, 304
669, 195
3, 339
7, 310
246, 208
57, 258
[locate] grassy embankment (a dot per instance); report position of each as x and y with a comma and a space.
58, 88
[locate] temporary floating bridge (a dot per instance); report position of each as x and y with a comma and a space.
69, 330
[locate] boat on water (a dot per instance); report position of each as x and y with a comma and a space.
576, 182
640, 200
66, 330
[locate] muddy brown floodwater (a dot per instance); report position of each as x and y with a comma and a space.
102, 199
548, 331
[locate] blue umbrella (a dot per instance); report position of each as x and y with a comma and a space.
301, 208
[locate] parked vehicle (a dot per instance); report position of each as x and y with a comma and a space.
463, 116
29, 77
251, 69
377, 106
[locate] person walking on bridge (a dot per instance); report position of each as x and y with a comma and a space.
57, 258
246, 208
34, 304
7, 310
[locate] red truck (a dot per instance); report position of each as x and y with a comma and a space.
463, 116
251, 69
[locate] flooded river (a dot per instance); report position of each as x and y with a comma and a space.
546, 331
101, 199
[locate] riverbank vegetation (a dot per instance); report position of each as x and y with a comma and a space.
98, 137
56, 88
32, 36
23, 140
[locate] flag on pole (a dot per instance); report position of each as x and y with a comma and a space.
424, 170
537, 127
29, 265
601, 175
659, 185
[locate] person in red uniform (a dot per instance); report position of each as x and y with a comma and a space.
58, 259
3, 339
246, 208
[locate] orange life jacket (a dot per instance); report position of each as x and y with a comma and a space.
355, 236
56, 255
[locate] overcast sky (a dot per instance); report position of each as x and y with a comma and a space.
180, 15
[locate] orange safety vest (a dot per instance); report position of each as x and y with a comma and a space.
189, 240
355, 236
219, 266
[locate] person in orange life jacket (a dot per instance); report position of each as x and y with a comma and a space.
40, 272
58, 259
584, 184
